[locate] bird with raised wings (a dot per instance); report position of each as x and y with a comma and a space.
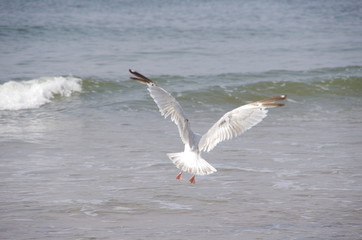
230, 125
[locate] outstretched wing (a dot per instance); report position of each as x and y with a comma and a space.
237, 121
168, 106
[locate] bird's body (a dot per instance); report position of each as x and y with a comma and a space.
232, 124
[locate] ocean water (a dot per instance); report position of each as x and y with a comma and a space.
83, 148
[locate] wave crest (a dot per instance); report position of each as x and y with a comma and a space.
37, 92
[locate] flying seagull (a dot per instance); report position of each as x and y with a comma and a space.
230, 125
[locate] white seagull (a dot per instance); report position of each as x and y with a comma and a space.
230, 125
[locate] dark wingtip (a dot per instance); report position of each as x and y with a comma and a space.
272, 102
139, 77
131, 71
270, 105
273, 99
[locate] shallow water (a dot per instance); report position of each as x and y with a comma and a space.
87, 159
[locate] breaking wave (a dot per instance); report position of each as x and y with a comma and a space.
16, 95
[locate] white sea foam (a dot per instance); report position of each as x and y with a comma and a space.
37, 92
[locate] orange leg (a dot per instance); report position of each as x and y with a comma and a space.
179, 176
192, 180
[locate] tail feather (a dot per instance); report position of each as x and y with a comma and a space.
192, 163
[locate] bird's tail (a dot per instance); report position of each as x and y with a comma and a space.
192, 163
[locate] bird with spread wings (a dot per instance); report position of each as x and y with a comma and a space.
232, 124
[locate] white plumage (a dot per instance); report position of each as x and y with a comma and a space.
230, 125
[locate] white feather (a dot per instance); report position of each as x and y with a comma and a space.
232, 124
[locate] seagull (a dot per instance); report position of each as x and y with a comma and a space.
232, 124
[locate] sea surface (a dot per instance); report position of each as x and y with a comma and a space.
83, 148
